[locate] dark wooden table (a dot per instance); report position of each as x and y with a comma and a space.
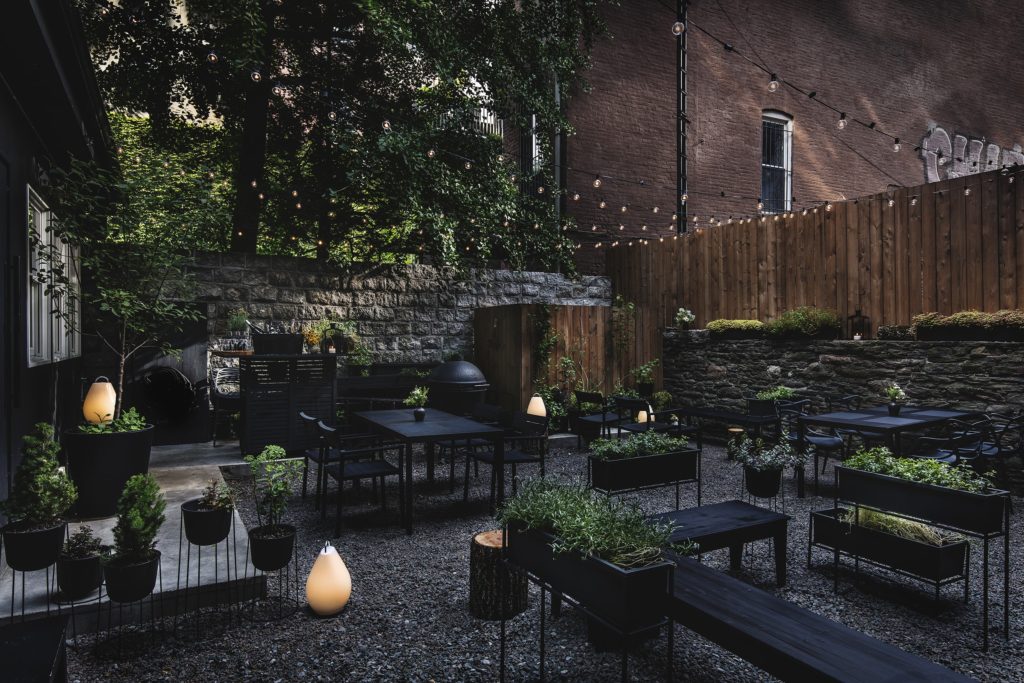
437, 426
755, 422
34, 650
730, 525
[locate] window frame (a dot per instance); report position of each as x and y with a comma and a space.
775, 116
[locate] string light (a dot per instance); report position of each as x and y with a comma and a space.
685, 197
678, 28
333, 116
623, 208
892, 202
828, 206
212, 58
602, 204
501, 158
295, 193
654, 210
597, 181
277, 90
431, 153
468, 165
773, 83
575, 196
386, 125
256, 76
913, 201
841, 123
967, 192
540, 189
252, 184
896, 145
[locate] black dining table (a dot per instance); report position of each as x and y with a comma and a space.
436, 426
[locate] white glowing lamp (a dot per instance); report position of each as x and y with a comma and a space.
329, 584
537, 407
645, 416
100, 401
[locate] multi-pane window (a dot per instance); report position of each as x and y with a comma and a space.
53, 315
776, 161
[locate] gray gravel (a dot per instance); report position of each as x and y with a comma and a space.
408, 617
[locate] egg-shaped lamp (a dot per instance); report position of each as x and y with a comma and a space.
329, 585
100, 401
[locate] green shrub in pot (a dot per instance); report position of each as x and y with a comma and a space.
274, 475
639, 445
880, 460
131, 571
79, 568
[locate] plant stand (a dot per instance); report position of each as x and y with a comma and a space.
278, 606
139, 641
224, 599
645, 473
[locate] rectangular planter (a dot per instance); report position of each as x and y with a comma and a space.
931, 562
629, 599
649, 470
979, 513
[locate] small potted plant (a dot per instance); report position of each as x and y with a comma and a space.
130, 572
238, 323
684, 318
896, 396
644, 376
643, 460
417, 399
661, 400
274, 474
207, 519
762, 466
767, 402
79, 570
41, 496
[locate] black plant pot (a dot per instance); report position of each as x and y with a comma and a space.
101, 464
271, 546
131, 582
419, 414
645, 389
762, 483
77, 577
29, 549
761, 406
204, 526
649, 470
894, 409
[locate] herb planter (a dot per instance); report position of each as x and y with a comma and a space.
932, 562
762, 483
271, 546
77, 577
980, 513
625, 474
101, 464
131, 582
631, 600
205, 526
28, 549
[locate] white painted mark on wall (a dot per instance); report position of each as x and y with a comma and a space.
955, 157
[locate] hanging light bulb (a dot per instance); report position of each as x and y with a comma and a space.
654, 210
643, 227
252, 184
967, 192
501, 158
892, 202
575, 196
675, 217
602, 204
512, 178
760, 205
261, 196
913, 201
623, 208
333, 116
256, 76
295, 193
828, 206
212, 58
593, 228
896, 145
278, 90
685, 198
386, 125
773, 83
540, 189
678, 28
597, 181
841, 123
298, 205
468, 165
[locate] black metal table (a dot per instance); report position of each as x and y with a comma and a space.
730, 525
755, 422
437, 426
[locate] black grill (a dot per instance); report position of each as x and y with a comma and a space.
457, 386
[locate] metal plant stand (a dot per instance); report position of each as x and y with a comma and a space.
274, 607
137, 646
223, 598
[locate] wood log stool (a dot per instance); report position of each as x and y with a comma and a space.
486, 574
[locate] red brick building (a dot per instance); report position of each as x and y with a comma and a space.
943, 75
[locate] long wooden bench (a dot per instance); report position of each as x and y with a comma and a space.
784, 639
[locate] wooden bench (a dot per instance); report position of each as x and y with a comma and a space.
784, 639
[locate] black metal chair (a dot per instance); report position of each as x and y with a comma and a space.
627, 409
484, 413
1007, 440
961, 442
226, 395
681, 428
594, 424
354, 464
527, 445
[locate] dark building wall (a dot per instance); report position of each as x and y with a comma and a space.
940, 74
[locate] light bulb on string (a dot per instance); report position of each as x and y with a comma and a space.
431, 153
841, 123
773, 83
892, 202
256, 76
298, 205
386, 125
675, 217
332, 116
678, 28
295, 193
623, 208
575, 196
540, 189
828, 206
512, 178
621, 226
602, 204
684, 198
252, 184
967, 192
277, 90
212, 58
896, 145
593, 228
760, 205
913, 201
597, 181
468, 166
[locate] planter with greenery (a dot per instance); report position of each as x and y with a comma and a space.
954, 496
736, 329
79, 570
417, 399
131, 571
207, 519
271, 543
644, 460
661, 400
40, 497
238, 322
554, 403
806, 322
1005, 325
683, 318
766, 402
603, 553
763, 465
896, 396
644, 376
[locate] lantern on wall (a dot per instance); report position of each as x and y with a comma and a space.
537, 407
329, 585
100, 402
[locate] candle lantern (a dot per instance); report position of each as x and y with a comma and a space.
100, 402
537, 407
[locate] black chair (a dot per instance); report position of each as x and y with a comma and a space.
684, 428
596, 423
649, 424
1007, 440
484, 413
961, 442
526, 445
350, 464
226, 395
627, 409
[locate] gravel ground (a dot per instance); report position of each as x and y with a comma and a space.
408, 618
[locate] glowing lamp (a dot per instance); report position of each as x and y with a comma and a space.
329, 584
537, 407
100, 401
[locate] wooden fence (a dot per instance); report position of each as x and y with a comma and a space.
947, 246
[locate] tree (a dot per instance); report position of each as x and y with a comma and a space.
352, 123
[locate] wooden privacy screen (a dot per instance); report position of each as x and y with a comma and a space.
506, 338
947, 246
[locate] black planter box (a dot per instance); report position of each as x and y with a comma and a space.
630, 600
979, 513
31, 550
649, 470
762, 406
932, 562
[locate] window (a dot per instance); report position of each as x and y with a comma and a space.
776, 161
53, 318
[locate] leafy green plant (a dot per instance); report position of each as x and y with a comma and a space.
684, 316
546, 340
636, 446
623, 322
644, 374
899, 526
42, 493
554, 405
414, 372
896, 332
894, 392
923, 470
590, 525
140, 513
417, 398
754, 328
216, 496
238, 320
129, 421
624, 392
1006, 319
756, 455
805, 321
779, 393
661, 400
274, 475
82, 544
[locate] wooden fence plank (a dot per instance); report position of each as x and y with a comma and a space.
990, 243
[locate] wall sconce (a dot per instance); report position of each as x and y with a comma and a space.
100, 402
329, 584
537, 407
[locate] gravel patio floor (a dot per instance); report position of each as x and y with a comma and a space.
408, 618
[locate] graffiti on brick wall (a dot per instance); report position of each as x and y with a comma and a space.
958, 156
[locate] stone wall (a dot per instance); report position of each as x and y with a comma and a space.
985, 376
406, 314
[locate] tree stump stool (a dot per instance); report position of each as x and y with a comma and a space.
486, 575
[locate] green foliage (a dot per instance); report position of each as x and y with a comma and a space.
129, 421
238, 320
140, 513
896, 332
417, 398
805, 321
645, 372
589, 524
683, 317
623, 322
216, 496
923, 470
82, 544
899, 526
661, 400
753, 328
41, 493
894, 392
779, 393
760, 457
1006, 319
555, 407
274, 475
636, 446
624, 392
546, 340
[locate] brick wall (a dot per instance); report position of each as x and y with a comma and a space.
908, 66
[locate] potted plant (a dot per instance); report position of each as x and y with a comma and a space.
274, 474
766, 402
762, 466
642, 460
238, 322
417, 399
661, 400
896, 396
79, 570
806, 322
684, 318
644, 376
130, 572
207, 519
736, 329
40, 497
